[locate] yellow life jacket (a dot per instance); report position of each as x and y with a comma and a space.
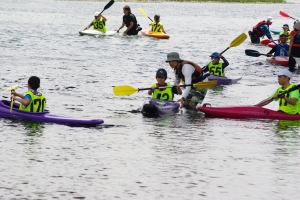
99, 25
156, 27
163, 94
216, 69
37, 102
288, 33
286, 107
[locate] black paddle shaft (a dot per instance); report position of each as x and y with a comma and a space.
108, 5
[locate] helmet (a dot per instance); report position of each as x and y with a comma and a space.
161, 73
214, 54
156, 17
297, 25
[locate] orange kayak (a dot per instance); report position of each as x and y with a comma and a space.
156, 35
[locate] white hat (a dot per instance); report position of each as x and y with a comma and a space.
284, 72
270, 19
96, 14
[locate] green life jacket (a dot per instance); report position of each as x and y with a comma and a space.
156, 27
99, 25
163, 94
286, 107
216, 69
37, 103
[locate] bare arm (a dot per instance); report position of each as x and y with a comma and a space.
24, 102
164, 30
104, 19
264, 102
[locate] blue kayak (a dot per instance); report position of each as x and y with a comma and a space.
43, 116
276, 32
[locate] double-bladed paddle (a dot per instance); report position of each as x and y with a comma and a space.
250, 52
284, 14
126, 90
145, 14
11, 89
109, 4
297, 87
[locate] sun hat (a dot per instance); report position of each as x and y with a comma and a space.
285, 26
161, 73
96, 14
284, 72
270, 19
173, 56
214, 54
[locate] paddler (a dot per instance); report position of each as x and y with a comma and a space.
294, 50
288, 103
189, 73
215, 67
130, 21
286, 31
261, 29
32, 101
165, 94
157, 26
98, 23
280, 49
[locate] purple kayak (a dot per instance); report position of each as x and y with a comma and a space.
222, 80
156, 107
43, 116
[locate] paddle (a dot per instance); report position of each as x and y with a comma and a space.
126, 90
284, 14
11, 89
296, 59
145, 14
281, 95
109, 4
250, 52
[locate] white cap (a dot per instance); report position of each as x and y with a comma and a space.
284, 72
96, 14
270, 19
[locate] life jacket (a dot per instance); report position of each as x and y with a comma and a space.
216, 69
156, 27
257, 29
165, 94
297, 37
281, 50
99, 25
36, 104
288, 33
197, 76
286, 107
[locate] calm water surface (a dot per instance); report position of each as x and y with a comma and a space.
130, 157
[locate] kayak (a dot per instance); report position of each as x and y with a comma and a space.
276, 32
265, 42
222, 80
95, 32
156, 35
271, 44
43, 116
156, 107
278, 60
238, 112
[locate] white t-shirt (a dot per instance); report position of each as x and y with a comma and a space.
187, 71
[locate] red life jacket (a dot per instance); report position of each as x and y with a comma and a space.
257, 30
297, 37
196, 76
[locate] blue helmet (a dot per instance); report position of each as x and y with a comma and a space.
214, 54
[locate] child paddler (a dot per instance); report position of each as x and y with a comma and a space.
98, 23
166, 94
157, 26
32, 101
215, 67
288, 103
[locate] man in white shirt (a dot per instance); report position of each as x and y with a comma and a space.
189, 73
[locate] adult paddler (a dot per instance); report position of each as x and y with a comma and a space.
261, 29
189, 73
98, 23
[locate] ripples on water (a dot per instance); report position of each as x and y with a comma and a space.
184, 156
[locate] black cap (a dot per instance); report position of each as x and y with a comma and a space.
161, 73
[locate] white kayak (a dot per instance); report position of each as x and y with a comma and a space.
95, 32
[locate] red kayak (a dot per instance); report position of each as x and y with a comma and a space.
265, 42
239, 112
271, 44
278, 60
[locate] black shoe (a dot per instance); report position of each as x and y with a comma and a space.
292, 69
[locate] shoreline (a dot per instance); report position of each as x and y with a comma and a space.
191, 1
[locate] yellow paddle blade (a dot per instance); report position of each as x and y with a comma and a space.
124, 90
207, 84
12, 88
143, 12
239, 40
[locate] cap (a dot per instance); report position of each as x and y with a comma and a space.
161, 73
283, 34
285, 26
96, 14
270, 19
214, 54
173, 56
284, 72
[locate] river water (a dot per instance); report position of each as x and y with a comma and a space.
184, 156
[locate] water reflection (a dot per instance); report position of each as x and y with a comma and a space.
288, 128
33, 128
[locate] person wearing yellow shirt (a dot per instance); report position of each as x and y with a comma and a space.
157, 26
289, 103
98, 23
